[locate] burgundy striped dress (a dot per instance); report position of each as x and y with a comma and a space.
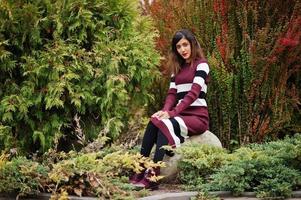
186, 104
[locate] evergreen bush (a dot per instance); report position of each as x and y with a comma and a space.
198, 162
22, 176
272, 170
71, 68
102, 174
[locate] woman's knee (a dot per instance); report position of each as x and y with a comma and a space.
150, 126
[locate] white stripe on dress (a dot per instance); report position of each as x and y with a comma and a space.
169, 125
199, 102
187, 87
172, 85
199, 80
203, 67
184, 87
183, 127
204, 88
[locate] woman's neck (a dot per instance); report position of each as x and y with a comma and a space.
188, 60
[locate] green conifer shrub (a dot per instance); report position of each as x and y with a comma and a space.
66, 61
198, 163
22, 176
102, 174
271, 170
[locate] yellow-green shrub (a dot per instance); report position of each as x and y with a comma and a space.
22, 176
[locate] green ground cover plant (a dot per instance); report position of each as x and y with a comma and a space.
198, 163
272, 170
21, 176
103, 174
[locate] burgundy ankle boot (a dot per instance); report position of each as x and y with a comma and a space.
146, 183
136, 177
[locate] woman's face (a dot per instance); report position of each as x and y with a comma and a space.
184, 48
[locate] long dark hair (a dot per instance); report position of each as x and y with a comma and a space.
175, 60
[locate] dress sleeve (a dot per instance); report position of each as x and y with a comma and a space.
199, 82
171, 98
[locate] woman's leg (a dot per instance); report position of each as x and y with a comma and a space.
160, 152
149, 139
159, 155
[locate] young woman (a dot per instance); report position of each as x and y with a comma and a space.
185, 110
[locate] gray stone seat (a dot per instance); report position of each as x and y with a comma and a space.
170, 171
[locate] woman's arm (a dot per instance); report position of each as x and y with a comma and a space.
171, 98
201, 74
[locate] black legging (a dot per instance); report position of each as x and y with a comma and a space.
151, 137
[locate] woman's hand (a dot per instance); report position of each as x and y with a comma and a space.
161, 115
